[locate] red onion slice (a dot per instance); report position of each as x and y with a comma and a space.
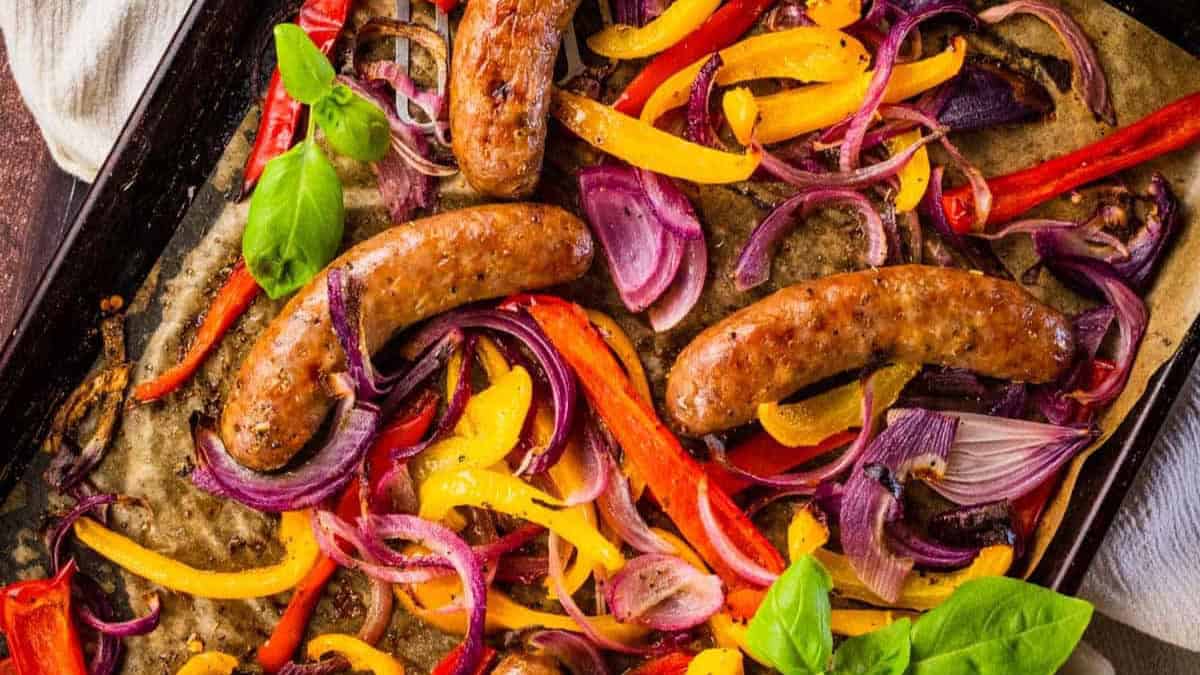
121, 629
559, 584
850, 178
329, 666
573, 651
326, 473
1030, 226
328, 529
885, 62
108, 647
699, 121
345, 311
739, 562
663, 592
977, 253
596, 473
907, 543
1089, 75
917, 441
431, 360
620, 513
671, 206
753, 266
560, 377
379, 612
58, 534
684, 292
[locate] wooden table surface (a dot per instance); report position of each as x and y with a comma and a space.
38, 201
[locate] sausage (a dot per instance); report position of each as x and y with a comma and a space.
502, 70
408, 273
810, 331
515, 663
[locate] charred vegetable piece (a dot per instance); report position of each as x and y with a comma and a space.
985, 95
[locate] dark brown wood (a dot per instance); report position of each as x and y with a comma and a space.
37, 201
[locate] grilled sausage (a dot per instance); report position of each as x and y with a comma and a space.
408, 273
525, 664
811, 331
502, 69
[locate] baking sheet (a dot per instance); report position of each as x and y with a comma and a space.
154, 450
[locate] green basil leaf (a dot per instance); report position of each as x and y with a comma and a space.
307, 74
354, 126
791, 627
999, 625
882, 652
296, 220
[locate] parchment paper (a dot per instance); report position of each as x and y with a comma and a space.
152, 453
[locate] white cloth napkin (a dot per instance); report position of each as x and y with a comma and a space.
81, 64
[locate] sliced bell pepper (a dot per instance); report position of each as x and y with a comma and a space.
647, 147
619, 41
446, 6
487, 353
289, 631
670, 471
818, 417
489, 429
209, 663
804, 109
1027, 509
295, 533
805, 534
806, 53
235, 296
760, 454
323, 21
673, 663
914, 175
721, 29
449, 663
501, 492
922, 590
716, 661
741, 113
834, 13
568, 474
362, 656
622, 346
1172, 127
503, 613
35, 617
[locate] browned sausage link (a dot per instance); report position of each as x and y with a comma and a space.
409, 272
502, 68
525, 664
811, 331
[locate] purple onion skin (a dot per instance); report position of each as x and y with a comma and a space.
977, 253
985, 95
980, 525
335, 664
1147, 246
699, 119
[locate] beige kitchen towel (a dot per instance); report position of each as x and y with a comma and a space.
81, 66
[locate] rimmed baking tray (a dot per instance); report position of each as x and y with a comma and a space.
193, 104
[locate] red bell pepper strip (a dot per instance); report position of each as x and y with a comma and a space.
670, 472
446, 6
1167, 129
323, 20
239, 290
719, 31
35, 617
763, 455
449, 664
673, 663
281, 646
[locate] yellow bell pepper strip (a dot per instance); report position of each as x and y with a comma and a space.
503, 613
646, 147
295, 533
855, 622
716, 661
489, 429
619, 41
445, 490
567, 475
626, 353
805, 534
806, 53
798, 111
362, 656
834, 13
914, 176
818, 417
488, 353
922, 590
209, 663
741, 113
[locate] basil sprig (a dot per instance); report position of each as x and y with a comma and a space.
297, 215
989, 625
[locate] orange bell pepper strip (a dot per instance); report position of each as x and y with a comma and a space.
239, 290
619, 41
1172, 127
288, 633
672, 663
763, 455
35, 617
721, 29
449, 664
670, 472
